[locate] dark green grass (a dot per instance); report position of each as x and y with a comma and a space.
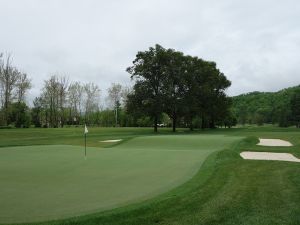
226, 190
68, 136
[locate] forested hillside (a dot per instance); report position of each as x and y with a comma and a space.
265, 107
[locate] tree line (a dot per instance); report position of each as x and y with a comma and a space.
61, 101
74, 103
170, 89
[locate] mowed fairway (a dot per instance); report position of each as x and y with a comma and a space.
48, 182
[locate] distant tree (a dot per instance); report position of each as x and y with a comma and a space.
284, 119
91, 100
9, 77
19, 114
114, 97
259, 119
50, 99
242, 114
61, 103
144, 121
75, 101
107, 118
295, 108
63, 84
230, 120
13, 87
36, 112
126, 90
53, 99
23, 84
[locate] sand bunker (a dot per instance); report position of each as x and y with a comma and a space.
269, 156
274, 142
111, 141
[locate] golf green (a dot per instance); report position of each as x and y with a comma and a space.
49, 182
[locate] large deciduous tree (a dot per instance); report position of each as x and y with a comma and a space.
173, 85
216, 103
148, 71
167, 81
193, 89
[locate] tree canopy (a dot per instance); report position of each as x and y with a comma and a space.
184, 87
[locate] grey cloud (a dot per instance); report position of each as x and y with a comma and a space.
255, 43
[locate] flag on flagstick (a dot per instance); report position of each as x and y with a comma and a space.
85, 129
85, 132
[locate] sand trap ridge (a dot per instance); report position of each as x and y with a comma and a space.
274, 142
111, 141
269, 156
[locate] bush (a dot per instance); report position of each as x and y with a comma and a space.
5, 127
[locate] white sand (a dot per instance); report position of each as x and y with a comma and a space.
274, 142
269, 156
111, 141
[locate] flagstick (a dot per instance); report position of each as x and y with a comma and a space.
85, 146
85, 132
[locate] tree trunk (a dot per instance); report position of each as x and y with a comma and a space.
155, 123
202, 123
191, 124
191, 127
174, 122
212, 124
46, 118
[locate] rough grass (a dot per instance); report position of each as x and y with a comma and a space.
226, 190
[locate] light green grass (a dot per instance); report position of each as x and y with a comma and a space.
226, 190
48, 182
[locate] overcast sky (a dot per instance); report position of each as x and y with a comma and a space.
256, 43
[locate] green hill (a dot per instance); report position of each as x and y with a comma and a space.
264, 107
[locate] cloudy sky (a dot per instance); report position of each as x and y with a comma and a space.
255, 43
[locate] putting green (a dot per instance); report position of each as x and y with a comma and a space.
50, 182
